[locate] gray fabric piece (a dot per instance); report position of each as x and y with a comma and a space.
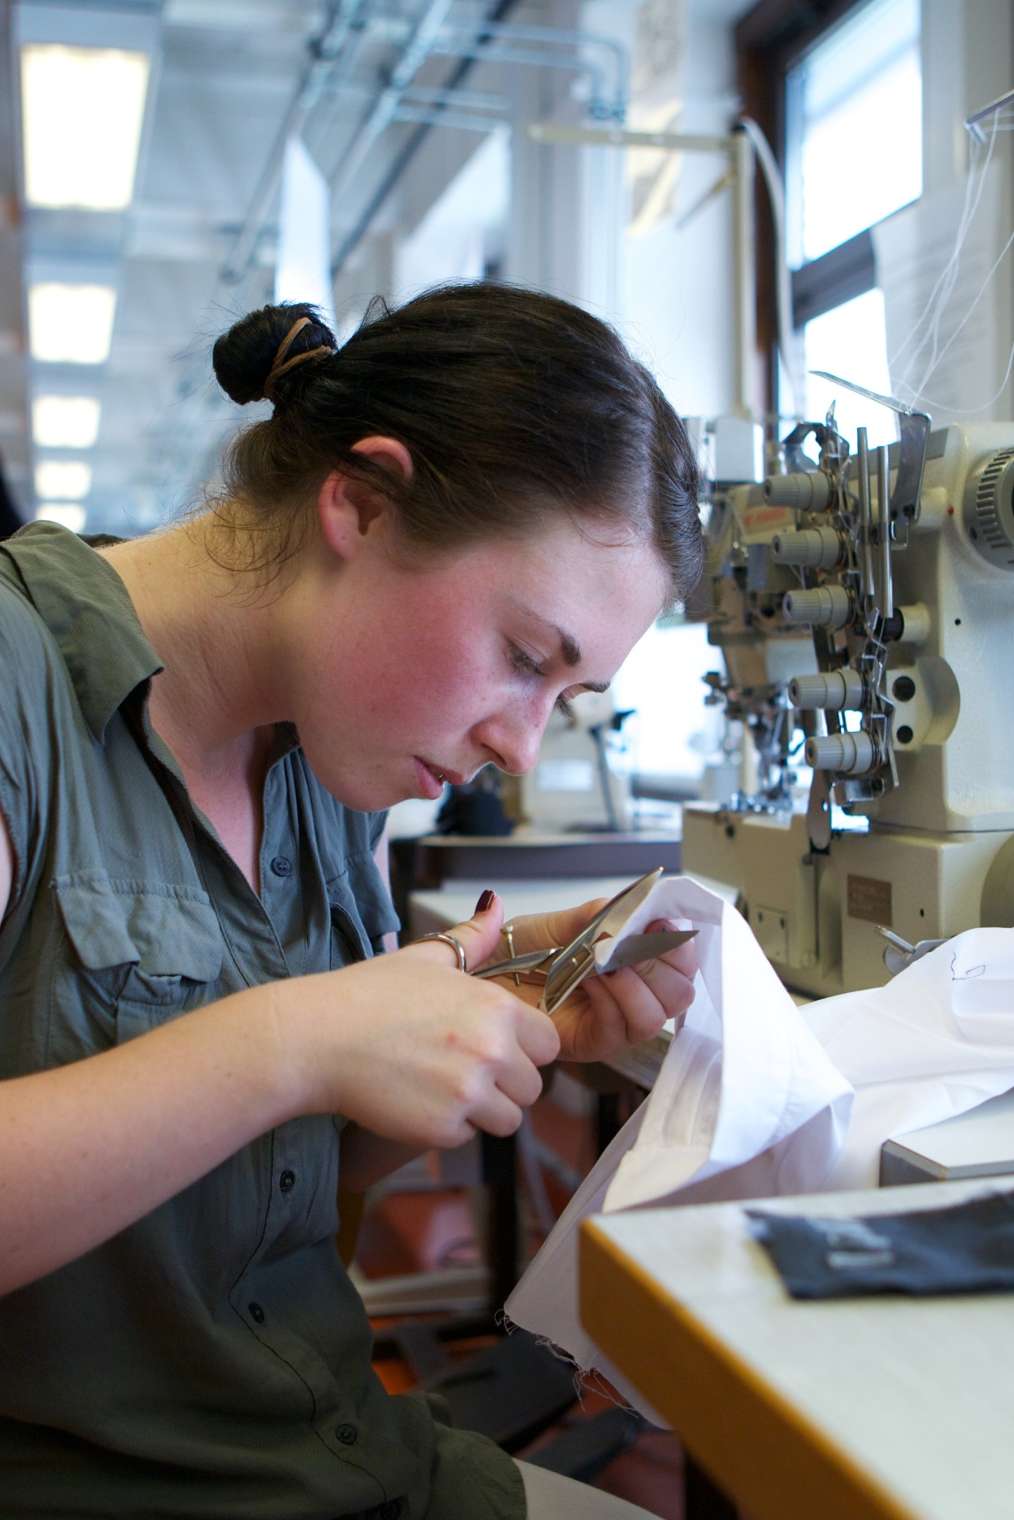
213, 1360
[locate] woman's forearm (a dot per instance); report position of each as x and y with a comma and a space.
87, 1149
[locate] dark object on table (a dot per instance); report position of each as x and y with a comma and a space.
475, 808
964, 1248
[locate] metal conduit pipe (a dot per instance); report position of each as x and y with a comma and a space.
466, 100
478, 49
353, 238
565, 37
619, 56
381, 113
344, 17
599, 106
457, 120
455, 40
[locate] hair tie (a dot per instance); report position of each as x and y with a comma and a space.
280, 364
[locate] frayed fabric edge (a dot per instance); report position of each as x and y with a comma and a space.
586, 1380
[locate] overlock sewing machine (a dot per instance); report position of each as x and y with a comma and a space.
863, 603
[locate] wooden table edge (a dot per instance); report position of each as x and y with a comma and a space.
758, 1446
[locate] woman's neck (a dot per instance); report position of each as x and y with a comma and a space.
217, 700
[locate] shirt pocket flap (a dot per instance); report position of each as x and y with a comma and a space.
376, 909
361, 914
167, 931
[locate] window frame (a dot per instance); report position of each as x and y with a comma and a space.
770, 39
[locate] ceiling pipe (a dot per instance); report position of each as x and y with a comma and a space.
405, 156
381, 113
344, 17
600, 106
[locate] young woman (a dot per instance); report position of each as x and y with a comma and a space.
468, 514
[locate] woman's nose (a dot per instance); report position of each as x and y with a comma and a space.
512, 739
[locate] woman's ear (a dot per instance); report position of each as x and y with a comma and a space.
349, 506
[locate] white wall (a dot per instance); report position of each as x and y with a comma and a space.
678, 285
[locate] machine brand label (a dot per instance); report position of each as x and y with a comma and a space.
870, 899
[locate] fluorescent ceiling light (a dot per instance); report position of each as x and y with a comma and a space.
71, 324
63, 479
70, 514
82, 109
65, 422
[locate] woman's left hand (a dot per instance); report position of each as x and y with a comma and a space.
607, 1012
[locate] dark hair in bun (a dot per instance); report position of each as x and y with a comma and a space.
514, 405
243, 357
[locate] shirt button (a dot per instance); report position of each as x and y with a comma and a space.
348, 1435
287, 1181
282, 865
256, 1313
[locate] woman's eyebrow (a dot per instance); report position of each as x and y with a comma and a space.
570, 649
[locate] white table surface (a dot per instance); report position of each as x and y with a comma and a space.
884, 1407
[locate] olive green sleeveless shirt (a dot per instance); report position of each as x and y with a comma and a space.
213, 1360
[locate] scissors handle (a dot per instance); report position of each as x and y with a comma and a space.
534, 960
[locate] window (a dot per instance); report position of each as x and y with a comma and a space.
850, 340
853, 155
853, 128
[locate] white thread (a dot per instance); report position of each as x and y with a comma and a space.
978, 297
935, 308
972, 411
944, 284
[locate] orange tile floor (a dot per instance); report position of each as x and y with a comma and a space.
421, 1231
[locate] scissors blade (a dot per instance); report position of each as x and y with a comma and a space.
576, 960
645, 947
616, 912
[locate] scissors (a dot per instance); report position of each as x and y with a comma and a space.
566, 967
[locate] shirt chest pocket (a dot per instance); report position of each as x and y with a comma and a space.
361, 914
135, 955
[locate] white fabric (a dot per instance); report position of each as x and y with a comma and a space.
935, 1042
746, 1103
552, 1497
756, 1097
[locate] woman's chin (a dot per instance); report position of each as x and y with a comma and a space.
371, 794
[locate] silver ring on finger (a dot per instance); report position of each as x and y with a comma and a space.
455, 944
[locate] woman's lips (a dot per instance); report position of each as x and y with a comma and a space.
432, 777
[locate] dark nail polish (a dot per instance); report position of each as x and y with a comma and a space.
485, 901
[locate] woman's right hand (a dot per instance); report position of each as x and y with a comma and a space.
410, 1048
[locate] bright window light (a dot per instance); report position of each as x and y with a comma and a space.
856, 100
851, 341
82, 110
71, 324
65, 422
663, 680
63, 479
69, 514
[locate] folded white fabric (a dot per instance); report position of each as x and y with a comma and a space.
936, 1041
756, 1097
746, 1104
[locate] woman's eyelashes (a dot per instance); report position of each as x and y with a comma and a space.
524, 664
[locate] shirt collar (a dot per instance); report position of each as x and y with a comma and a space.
86, 607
